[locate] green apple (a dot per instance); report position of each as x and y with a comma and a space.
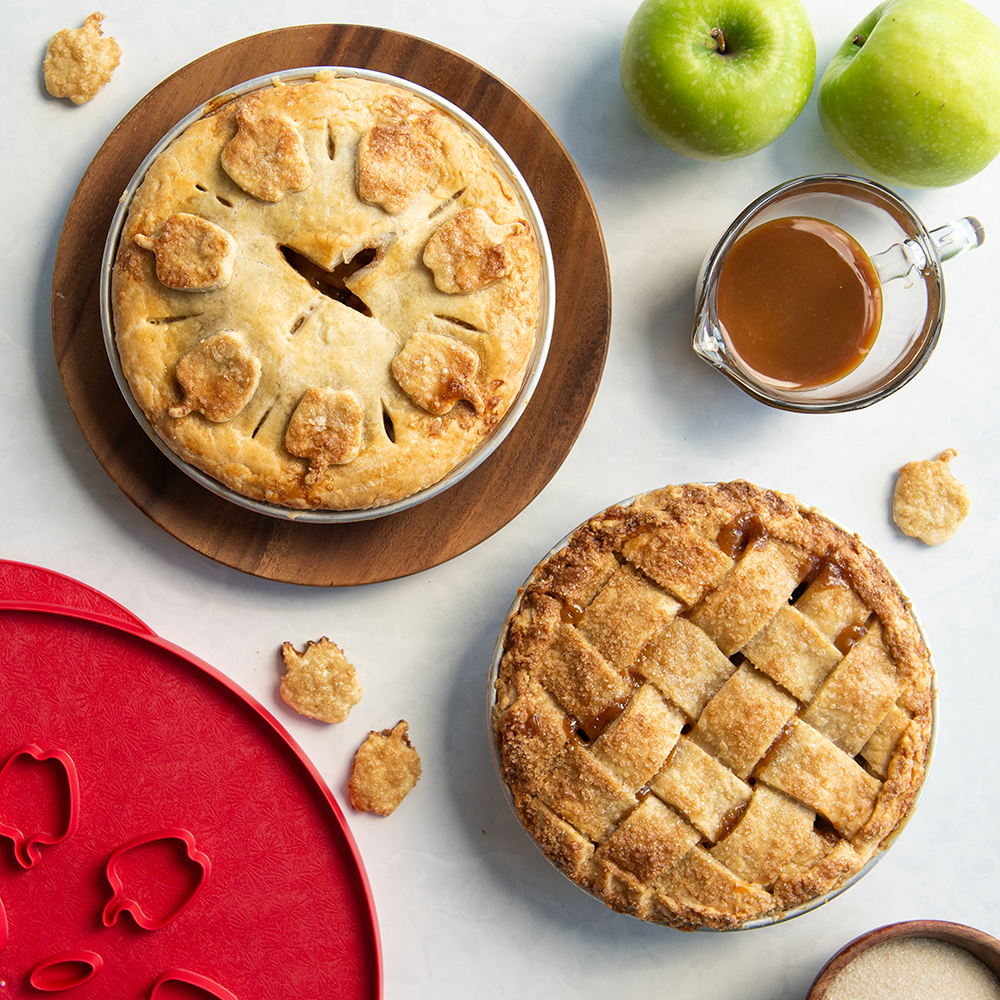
718, 79
912, 97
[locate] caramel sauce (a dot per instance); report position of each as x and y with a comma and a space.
730, 819
742, 531
799, 301
596, 724
829, 574
532, 726
574, 731
571, 613
587, 729
850, 637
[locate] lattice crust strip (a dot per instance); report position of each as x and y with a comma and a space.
713, 705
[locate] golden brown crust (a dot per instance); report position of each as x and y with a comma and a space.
735, 732
928, 502
79, 62
319, 682
385, 769
394, 162
297, 218
217, 376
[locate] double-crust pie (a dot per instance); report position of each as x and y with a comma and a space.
325, 294
712, 706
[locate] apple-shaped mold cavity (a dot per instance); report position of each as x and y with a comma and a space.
203, 986
155, 877
39, 800
65, 970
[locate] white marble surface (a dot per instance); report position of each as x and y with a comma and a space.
466, 905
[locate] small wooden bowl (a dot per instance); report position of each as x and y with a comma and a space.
976, 942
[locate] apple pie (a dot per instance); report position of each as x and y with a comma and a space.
326, 293
712, 706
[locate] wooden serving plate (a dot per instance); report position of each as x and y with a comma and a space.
399, 544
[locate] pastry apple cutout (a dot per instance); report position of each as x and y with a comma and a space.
219, 377
436, 372
266, 157
394, 163
327, 428
154, 868
191, 253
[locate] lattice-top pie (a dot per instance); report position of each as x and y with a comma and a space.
325, 294
713, 705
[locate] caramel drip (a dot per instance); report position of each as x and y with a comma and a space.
588, 728
823, 573
729, 821
532, 726
596, 724
741, 532
850, 637
571, 613
830, 574
769, 752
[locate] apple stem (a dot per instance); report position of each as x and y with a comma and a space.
720, 39
859, 40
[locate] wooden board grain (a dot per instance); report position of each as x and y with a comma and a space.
399, 544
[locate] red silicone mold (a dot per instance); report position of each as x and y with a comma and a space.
22, 581
49, 811
205, 986
66, 970
159, 902
199, 853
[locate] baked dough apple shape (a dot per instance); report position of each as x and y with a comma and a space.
325, 295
